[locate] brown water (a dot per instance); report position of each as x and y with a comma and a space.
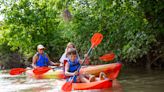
139, 80
134, 80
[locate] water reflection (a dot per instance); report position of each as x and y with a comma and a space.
128, 81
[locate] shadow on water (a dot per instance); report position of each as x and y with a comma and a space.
129, 80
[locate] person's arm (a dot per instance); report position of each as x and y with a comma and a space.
55, 64
34, 60
69, 73
52, 63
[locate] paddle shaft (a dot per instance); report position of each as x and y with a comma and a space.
88, 53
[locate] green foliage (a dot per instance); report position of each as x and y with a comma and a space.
29, 23
123, 24
133, 27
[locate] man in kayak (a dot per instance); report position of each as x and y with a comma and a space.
41, 58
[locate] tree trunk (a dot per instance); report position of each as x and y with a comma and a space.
148, 63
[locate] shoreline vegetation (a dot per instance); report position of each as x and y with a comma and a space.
133, 30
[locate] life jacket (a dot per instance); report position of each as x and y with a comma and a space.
73, 66
42, 60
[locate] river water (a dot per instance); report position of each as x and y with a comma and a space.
129, 80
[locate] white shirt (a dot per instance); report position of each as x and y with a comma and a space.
63, 57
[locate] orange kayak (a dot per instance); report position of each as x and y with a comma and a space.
111, 69
102, 84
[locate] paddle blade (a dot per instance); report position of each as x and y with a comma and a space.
107, 57
17, 71
67, 86
96, 39
41, 70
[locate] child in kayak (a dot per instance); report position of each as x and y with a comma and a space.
71, 69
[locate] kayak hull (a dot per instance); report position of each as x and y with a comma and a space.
111, 69
102, 84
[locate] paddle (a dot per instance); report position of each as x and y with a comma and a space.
16, 71
41, 70
107, 57
95, 40
37, 71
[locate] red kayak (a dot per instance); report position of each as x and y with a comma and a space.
112, 71
101, 84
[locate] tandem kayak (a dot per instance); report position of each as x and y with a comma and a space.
111, 69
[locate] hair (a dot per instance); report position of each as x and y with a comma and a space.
72, 51
70, 43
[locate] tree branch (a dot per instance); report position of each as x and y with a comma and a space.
157, 58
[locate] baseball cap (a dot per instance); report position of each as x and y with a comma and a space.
40, 46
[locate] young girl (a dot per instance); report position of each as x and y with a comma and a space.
70, 45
